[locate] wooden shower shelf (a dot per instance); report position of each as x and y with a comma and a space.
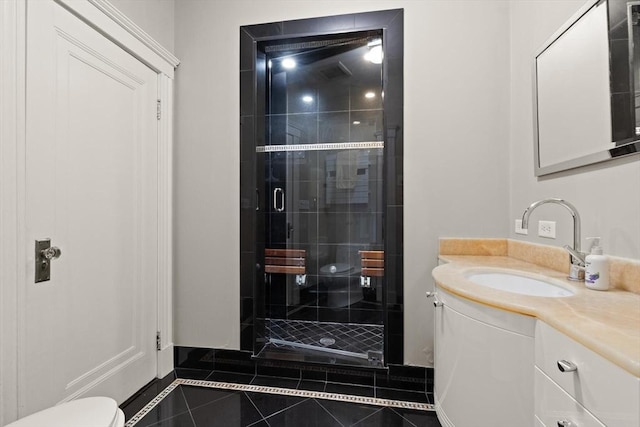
372, 263
285, 261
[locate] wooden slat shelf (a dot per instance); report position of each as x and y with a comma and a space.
285, 261
372, 254
372, 263
378, 263
285, 253
284, 269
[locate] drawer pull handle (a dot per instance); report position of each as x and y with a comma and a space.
566, 366
566, 423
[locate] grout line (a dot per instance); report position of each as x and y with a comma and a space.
280, 391
255, 406
369, 416
188, 407
402, 389
400, 415
375, 387
327, 411
299, 378
284, 409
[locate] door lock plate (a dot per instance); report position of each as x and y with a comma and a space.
45, 253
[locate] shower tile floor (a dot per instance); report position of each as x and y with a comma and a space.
356, 340
198, 403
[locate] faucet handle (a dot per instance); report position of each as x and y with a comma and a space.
576, 273
576, 256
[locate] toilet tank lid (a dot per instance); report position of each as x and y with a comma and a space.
86, 412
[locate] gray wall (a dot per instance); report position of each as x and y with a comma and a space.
155, 17
468, 137
607, 196
456, 148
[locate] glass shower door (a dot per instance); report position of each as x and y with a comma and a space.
322, 180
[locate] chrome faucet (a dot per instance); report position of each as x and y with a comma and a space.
577, 257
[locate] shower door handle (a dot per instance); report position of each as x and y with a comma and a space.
275, 199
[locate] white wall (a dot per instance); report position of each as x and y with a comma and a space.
456, 75
607, 196
155, 17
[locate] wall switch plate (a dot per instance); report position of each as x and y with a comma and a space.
547, 229
519, 229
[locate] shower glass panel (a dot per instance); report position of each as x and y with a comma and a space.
321, 181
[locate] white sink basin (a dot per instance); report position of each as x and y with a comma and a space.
515, 283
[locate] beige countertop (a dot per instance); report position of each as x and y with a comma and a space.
606, 322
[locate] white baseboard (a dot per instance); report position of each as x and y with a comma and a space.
165, 361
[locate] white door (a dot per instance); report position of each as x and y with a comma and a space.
91, 187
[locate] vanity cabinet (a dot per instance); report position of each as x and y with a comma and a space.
596, 393
498, 368
483, 364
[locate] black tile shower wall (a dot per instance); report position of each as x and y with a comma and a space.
622, 100
247, 132
622, 117
222, 364
246, 335
193, 358
247, 191
246, 51
319, 25
264, 30
265, 123
393, 110
246, 96
233, 361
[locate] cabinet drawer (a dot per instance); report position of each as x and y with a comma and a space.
606, 390
552, 405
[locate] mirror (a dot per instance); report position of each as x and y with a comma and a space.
584, 96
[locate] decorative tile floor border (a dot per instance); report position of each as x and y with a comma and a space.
374, 401
149, 406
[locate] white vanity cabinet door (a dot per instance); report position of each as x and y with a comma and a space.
606, 390
483, 372
554, 405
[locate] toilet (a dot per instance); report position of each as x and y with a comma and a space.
86, 412
342, 279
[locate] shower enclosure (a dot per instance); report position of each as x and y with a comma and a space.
317, 217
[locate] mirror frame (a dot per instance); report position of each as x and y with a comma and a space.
620, 150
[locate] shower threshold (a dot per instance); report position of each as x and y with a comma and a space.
318, 348
352, 343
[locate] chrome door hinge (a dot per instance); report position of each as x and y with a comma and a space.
159, 108
158, 341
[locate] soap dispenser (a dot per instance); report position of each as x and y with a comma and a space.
596, 275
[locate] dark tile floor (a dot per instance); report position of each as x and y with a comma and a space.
189, 406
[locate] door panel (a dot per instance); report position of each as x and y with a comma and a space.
91, 186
